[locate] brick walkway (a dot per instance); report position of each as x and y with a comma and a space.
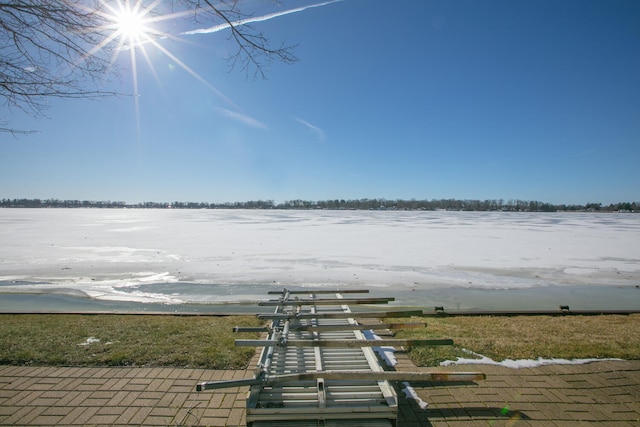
603, 393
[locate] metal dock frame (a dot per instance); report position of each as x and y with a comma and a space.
323, 399
317, 367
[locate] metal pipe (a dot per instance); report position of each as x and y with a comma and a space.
347, 376
323, 291
341, 343
324, 301
342, 315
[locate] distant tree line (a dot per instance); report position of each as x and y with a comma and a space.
337, 204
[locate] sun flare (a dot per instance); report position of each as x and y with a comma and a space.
135, 27
131, 24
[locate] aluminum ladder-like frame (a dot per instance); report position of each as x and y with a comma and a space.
317, 368
321, 401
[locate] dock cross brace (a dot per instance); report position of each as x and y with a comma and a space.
263, 379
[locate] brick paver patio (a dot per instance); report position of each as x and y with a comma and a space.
602, 393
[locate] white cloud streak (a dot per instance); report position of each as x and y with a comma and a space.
319, 133
244, 119
239, 117
252, 19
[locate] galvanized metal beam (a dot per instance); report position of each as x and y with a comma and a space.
325, 301
325, 328
320, 291
341, 315
344, 343
346, 376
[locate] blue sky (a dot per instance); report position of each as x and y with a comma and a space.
533, 100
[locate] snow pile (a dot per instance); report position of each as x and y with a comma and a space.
519, 364
387, 354
411, 394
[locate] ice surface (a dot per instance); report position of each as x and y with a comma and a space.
175, 256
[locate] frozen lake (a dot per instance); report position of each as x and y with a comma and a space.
466, 260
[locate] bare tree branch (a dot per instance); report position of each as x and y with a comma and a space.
65, 48
44, 52
252, 46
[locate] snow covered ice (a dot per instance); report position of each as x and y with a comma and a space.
175, 256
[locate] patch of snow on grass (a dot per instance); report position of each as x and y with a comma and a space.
519, 364
90, 340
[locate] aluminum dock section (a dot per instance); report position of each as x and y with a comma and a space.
318, 368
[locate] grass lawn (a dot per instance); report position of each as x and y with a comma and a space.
208, 342
123, 340
529, 337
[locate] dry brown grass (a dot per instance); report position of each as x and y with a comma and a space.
531, 337
208, 341
123, 340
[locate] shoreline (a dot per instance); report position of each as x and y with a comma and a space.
459, 300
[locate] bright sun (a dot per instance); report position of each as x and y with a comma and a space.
131, 24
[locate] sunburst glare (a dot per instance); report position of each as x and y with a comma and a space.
139, 28
134, 27
130, 24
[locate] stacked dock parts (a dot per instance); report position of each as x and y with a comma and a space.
317, 367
